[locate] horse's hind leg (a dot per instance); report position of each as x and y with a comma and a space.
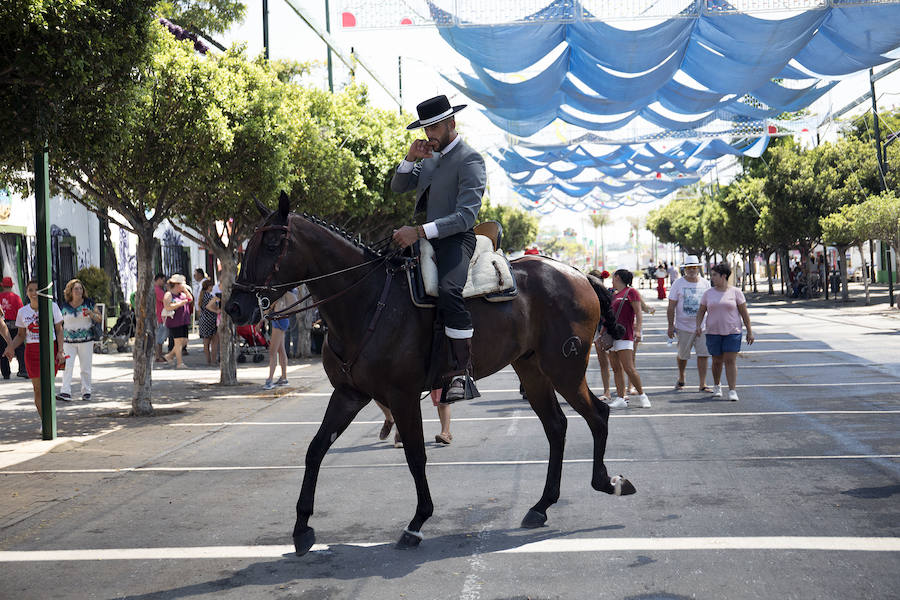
596, 413
344, 405
542, 398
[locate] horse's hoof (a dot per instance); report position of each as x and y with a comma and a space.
534, 519
304, 541
409, 539
621, 486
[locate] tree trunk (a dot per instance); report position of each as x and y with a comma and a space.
842, 263
111, 266
784, 269
227, 357
859, 246
768, 255
145, 333
305, 321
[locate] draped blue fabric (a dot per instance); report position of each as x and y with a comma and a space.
682, 165
708, 65
622, 73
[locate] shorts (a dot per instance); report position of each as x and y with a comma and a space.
688, 340
718, 344
33, 360
179, 332
162, 333
282, 324
622, 345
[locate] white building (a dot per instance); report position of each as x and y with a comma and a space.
77, 238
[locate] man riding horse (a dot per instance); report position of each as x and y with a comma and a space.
449, 178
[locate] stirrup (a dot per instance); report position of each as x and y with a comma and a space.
460, 388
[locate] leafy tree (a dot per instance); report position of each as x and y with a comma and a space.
95, 282
681, 222
207, 17
353, 188
879, 218
263, 119
840, 229
60, 64
519, 228
170, 130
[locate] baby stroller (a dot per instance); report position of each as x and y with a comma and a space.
252, 343
120, 333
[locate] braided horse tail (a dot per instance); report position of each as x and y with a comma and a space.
607, 316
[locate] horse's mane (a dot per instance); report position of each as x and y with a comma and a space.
375, 250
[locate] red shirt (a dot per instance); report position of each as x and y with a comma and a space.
10, 303
160, 294
626, 313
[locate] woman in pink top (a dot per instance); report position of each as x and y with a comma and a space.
724, 307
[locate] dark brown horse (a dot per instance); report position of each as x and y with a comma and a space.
545, 332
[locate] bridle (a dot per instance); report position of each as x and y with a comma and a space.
259, 290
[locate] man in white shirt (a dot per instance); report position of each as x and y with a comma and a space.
673, 274
684, 302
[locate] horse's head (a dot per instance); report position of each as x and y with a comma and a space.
259, 282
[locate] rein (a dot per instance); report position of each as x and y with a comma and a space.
264, 303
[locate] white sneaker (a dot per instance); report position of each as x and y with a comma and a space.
641, 401
717, 391
732, 395
617, 402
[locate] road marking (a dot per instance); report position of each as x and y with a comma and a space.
823, 543
516, 416
462, 463
662, 387
743, 366
847, 544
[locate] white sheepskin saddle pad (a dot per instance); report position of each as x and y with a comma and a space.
489, 271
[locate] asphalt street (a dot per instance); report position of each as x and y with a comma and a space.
791, 492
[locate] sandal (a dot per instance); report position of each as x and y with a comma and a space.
679, 385
443, 439
705, 389
385, 429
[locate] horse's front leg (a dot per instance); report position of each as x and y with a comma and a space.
344, 405
408, 419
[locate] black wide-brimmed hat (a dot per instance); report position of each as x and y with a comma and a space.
433, 111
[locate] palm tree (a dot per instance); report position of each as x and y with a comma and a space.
637, 224
598, 220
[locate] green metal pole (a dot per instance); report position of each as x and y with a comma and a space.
45, 313
400, 81
265, 8
328, 29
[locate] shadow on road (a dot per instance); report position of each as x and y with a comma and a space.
346, 562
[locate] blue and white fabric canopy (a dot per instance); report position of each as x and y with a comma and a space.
736, 64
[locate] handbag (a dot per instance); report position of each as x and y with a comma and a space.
604, 338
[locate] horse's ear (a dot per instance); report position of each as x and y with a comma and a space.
265, 212
284, 204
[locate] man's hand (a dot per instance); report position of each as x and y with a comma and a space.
406, 236
420, 149
671, 331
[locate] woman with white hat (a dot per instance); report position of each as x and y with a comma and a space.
176, 307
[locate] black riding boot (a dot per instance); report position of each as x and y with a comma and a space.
462, 386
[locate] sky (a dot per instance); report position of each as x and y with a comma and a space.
425, 56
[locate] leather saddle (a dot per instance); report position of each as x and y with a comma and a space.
490, 276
